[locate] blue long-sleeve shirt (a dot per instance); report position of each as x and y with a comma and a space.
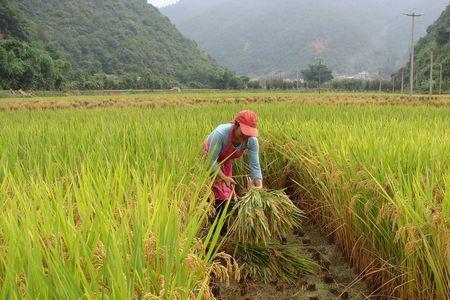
218, 141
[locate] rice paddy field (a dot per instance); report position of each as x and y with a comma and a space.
112, 202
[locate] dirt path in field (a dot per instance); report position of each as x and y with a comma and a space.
335, 280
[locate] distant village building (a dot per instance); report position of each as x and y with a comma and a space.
289, 80
364, 75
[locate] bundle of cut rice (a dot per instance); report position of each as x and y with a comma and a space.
258, 219
262, 215
273, 262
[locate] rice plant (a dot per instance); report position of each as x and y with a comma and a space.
112, 203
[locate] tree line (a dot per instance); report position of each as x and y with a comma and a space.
29, 68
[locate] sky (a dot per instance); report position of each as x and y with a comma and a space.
161, 3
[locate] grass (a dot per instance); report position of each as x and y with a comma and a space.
190, 99
93, 206
173, 95
234, 97
110, 203
375, 178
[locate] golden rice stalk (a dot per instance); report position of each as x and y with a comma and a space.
224, 266
262, 215
99, 255
195, 265
150, 249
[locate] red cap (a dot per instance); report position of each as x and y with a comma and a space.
248, 121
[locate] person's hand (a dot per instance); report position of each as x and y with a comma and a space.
257, 184
229, 181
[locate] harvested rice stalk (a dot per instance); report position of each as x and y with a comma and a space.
262, 215
273, 262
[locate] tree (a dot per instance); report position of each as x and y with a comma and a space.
245, 80
254, 84
225, 79
12, 21
443, 35
25, 67
317, 72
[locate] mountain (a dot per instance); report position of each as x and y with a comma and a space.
437, 40
115, 37
262, 37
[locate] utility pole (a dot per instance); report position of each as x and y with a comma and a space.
379, 78
403, 79
393, 84
440, 80
411, 83
431, 73
320, 74
297, 77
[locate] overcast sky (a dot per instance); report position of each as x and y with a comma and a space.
160, 3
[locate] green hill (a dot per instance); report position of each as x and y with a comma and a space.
437, 41
117, 37
261, 37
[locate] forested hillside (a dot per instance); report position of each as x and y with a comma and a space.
261, 37
128, 41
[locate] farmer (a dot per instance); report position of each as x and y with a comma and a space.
226, 143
